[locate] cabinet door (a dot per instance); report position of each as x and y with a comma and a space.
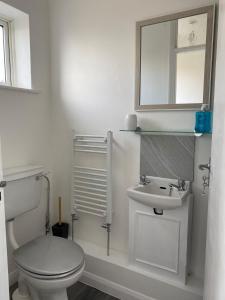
4, 282
157, 241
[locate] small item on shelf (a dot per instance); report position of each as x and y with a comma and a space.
60, 229
203, 121
131, 122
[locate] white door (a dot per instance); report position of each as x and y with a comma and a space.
4, 282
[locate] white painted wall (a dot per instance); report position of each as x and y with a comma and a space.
93, 67
215, 262
24, 117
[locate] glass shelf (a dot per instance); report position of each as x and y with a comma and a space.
165, 132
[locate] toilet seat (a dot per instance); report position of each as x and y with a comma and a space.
50, 277
49, 257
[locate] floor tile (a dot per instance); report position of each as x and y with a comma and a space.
81, 291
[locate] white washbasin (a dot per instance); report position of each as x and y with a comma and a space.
158, 194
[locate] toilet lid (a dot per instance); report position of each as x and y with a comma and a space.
50, 256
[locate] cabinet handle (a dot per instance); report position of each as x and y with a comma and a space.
158, 211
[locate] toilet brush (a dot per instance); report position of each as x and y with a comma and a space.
60, 211
60, 229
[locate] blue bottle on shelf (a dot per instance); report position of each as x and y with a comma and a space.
203, 121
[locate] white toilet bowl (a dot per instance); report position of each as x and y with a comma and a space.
50, 289
49, 265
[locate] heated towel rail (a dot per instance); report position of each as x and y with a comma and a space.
92, 178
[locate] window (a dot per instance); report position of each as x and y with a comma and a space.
15, 63
5, 68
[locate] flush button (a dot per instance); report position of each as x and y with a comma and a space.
2, 184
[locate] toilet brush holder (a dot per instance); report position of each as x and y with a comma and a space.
60, 229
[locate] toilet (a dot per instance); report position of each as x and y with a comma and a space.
50, 265
47, 265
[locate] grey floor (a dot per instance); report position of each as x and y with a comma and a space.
80, 291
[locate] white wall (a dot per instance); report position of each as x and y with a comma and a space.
215, 261
93, 67
24, 117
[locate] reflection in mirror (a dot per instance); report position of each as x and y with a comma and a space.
173, 61
174, 65
155, 63
190, 59
190, 76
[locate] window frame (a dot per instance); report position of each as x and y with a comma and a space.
7, 56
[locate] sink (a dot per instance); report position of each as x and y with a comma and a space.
158, 194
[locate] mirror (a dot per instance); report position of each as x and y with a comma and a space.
174, 60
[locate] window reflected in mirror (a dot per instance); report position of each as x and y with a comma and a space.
173, 61
172, 66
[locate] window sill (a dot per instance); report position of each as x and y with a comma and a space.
18, 89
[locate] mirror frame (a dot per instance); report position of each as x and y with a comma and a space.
210, 11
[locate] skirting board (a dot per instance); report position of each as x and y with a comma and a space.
112, 288
102, 284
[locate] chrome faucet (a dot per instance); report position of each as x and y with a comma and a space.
144, 180
180, 186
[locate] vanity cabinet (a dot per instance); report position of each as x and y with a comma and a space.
160, 244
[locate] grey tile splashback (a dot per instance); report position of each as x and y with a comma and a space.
168, 156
